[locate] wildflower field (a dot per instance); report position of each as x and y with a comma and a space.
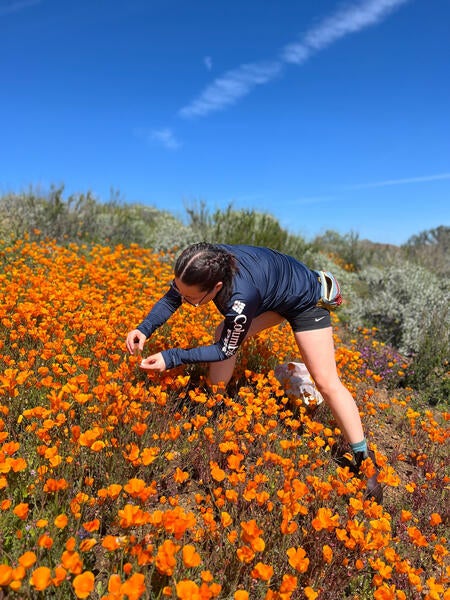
116, 484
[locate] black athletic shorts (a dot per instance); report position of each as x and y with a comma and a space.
312, 318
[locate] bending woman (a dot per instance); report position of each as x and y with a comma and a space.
255, 288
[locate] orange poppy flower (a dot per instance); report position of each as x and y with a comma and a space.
206, 576
149, 455
83, 584
310, 593
111, 542
27, 559
405, 515
191, 558
21, 510
232, 496
217, 473
325, 520
180, 476
71, 561
60, 576
70, 544
86, 545
251, 535
435, 519
327, 554
262, 571
225, 519
417, 537
41, 523
91, 525
114, 584
297, 559
245, 554
45, 541
132, 515
61, 521
6, 575
134, 587
234, 461
55, 485
187, 590
4, 504
41, 578
165, 560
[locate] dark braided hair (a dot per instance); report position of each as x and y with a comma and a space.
204, 265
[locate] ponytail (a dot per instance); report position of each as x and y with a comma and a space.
204, 265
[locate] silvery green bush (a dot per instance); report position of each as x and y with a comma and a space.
168, 233
84, 218
403, 302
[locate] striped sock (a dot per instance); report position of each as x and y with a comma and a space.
360, 447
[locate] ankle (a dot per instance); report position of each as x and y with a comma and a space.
360, 447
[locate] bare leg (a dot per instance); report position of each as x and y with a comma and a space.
221, 372
317, 350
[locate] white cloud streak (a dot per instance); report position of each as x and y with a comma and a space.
405, 181
344, 22
166, 137
13, 7
207, 61
235, 84
232, 86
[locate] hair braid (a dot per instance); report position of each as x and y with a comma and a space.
204, 265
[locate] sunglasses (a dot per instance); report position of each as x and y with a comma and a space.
173, 285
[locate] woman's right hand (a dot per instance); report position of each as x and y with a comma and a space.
135, 341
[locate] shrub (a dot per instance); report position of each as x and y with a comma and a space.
431, 249
408, 305
429, 371
244, 227
401, 302
82, 217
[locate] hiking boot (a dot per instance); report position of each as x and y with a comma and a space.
374, 489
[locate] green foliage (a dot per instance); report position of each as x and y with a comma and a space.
408, 305
431, 249
356, 254
83, 218
244, 227
346, 247
429, 370
49, 214
401, 301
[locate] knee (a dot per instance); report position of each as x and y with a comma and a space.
329, 388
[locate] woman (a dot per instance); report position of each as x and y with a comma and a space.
255, 288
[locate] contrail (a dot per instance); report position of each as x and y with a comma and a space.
237, 83
16, 6
232, 86
424, 178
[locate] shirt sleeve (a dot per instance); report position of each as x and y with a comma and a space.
238, 318
160, 313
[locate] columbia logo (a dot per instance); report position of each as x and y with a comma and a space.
238, 306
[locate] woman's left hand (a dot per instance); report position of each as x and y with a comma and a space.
155, 362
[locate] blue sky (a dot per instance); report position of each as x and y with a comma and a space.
326, 114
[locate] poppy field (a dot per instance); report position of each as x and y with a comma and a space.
118, 484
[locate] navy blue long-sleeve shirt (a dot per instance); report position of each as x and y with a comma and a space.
266, 280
